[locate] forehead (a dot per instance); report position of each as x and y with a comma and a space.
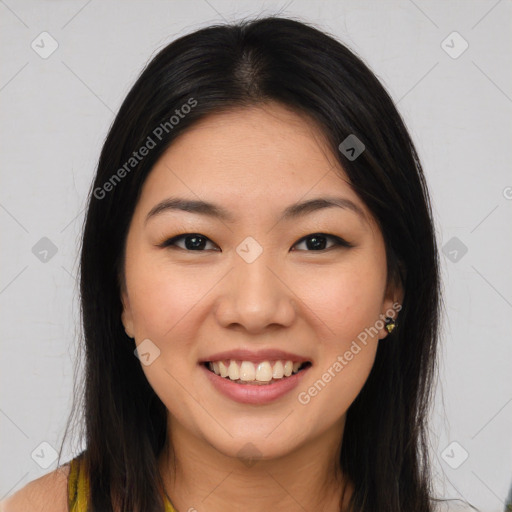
244, 158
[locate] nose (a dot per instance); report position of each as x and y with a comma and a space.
255, 298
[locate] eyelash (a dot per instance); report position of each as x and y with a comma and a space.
339, 242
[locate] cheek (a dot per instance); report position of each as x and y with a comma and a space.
349, 304
345, 300
346, 358
332, 393
162, 303
162, 298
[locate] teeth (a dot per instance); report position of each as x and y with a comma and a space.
247, 371
222, 369
233, 371
278, 372
264, 372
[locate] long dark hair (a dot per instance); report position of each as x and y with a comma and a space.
385, 443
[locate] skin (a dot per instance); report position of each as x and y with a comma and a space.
191, 304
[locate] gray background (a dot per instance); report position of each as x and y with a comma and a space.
56, 112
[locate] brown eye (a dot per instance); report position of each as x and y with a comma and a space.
317, 242
192, 241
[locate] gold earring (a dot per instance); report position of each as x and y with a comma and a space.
390, 324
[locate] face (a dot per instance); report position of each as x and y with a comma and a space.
255, 287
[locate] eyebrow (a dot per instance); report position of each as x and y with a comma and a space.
291, 212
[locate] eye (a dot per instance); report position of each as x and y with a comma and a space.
193, 241
318, 241
197, 242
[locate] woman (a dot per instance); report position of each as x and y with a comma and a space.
260, 288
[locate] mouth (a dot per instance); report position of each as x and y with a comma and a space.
262, 373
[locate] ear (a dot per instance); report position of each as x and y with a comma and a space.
391, 305
127, 316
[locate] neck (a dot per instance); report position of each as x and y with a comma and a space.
197, 476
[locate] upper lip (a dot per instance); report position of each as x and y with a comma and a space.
255, 356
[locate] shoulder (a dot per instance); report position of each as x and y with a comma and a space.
44, 494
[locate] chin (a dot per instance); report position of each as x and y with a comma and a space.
255, 444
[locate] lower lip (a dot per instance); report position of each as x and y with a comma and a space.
254, 393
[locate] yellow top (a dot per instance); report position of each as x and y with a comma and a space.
78, 489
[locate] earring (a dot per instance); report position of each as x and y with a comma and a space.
390, 324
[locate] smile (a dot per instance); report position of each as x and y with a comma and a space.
262, 373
